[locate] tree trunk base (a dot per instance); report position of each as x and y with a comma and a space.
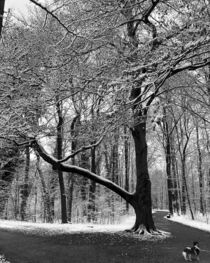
142, 230
148, 235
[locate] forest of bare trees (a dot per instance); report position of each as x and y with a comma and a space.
105, 111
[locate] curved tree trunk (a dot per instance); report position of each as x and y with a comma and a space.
140, 200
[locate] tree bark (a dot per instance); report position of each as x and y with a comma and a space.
25, 186
2, 3
167, 147
169, 176
126, 156
200, 172
142, 202
175, 176
92, 188
184, 185
185, 192
46, 194
71, 176
59, 146
70, 196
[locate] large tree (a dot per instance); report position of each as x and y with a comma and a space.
125, 51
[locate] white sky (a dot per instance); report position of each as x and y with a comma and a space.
19, 6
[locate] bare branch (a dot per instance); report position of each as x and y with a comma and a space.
25, 143
83, 148
80, 171
173, 71
53, 15
191, 66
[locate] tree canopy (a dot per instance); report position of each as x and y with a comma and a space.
106, 63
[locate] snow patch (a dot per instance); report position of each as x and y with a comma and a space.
189, 222
55, 228
47, 229
3, 259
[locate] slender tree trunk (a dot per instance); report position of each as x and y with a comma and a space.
70, 196
59, 156
185, 192
25, 186
193, 192
175, 180
84, 184
184, 184
92, 188
46, 194
208, 149
208, 191
2, 3
200, 172
108, 165
114, 171
71, 176
169, 176
35, 204
126, 149
63, 198
16, 200
114, 158
167, 147
53, 187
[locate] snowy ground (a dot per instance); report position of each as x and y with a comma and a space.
185, 220
56, 228
43, 229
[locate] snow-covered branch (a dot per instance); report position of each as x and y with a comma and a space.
83, 148
80, 171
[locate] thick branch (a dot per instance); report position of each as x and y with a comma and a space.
83, 172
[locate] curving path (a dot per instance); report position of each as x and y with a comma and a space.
103, 247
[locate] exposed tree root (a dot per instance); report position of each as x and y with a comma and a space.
150, 234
